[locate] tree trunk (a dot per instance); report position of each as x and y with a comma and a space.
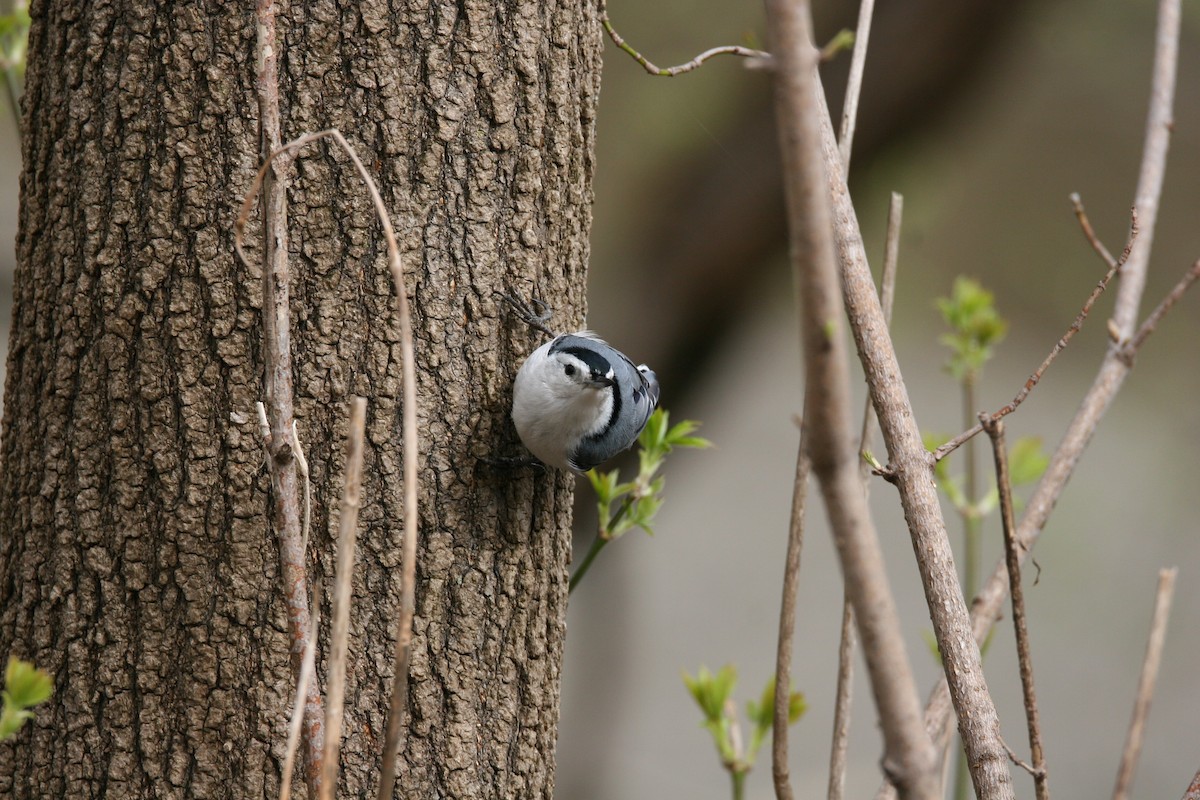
137, 562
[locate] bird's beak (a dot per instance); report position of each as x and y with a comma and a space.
601, 381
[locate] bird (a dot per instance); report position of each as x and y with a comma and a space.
578, 401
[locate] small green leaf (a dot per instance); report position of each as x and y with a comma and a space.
26, 685
12, 719
711, 691
1027, 461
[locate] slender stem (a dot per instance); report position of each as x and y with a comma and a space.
787, 624
995, 430
340, 635
848, 642
970, 514
971, 534
858, 60
842, 705
307, 667
593, 551
739, 784
1089, 232
1149, 676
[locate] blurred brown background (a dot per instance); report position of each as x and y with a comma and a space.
986, 116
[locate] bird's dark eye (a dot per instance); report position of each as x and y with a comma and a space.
569, 369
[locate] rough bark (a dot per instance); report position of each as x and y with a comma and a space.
136, 559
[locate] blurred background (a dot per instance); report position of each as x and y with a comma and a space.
985, 116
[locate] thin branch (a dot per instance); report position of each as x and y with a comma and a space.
1089, 232
887, 299
995, 430
978, 721
787, 624
1131, 348
909, 756
671, 72
1033, 380
297, 720
866, 9
1160, 119
1149, 676
1193, 790
1016, 759
281, 463
340, 637
843, 703
399, 699
1113, 370
848, 641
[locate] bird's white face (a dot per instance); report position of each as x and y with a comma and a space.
559, 398
569, 374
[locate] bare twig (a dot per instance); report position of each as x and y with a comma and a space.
995, 430
1089, 232
952, 445
909, 758
1113, 370
671, 72
1149, 676
297, 720
866, 9
1131, 347
278, 379
340, 636
840, 744
887, 299
787, 625
848, 641
1159, 121
1193, 790
399, 697
1016, 759
978, 721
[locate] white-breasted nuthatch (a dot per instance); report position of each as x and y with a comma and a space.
578, 401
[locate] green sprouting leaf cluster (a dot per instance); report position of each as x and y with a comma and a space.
713, 693
25, 686
623, 506
14, 36
975, 326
